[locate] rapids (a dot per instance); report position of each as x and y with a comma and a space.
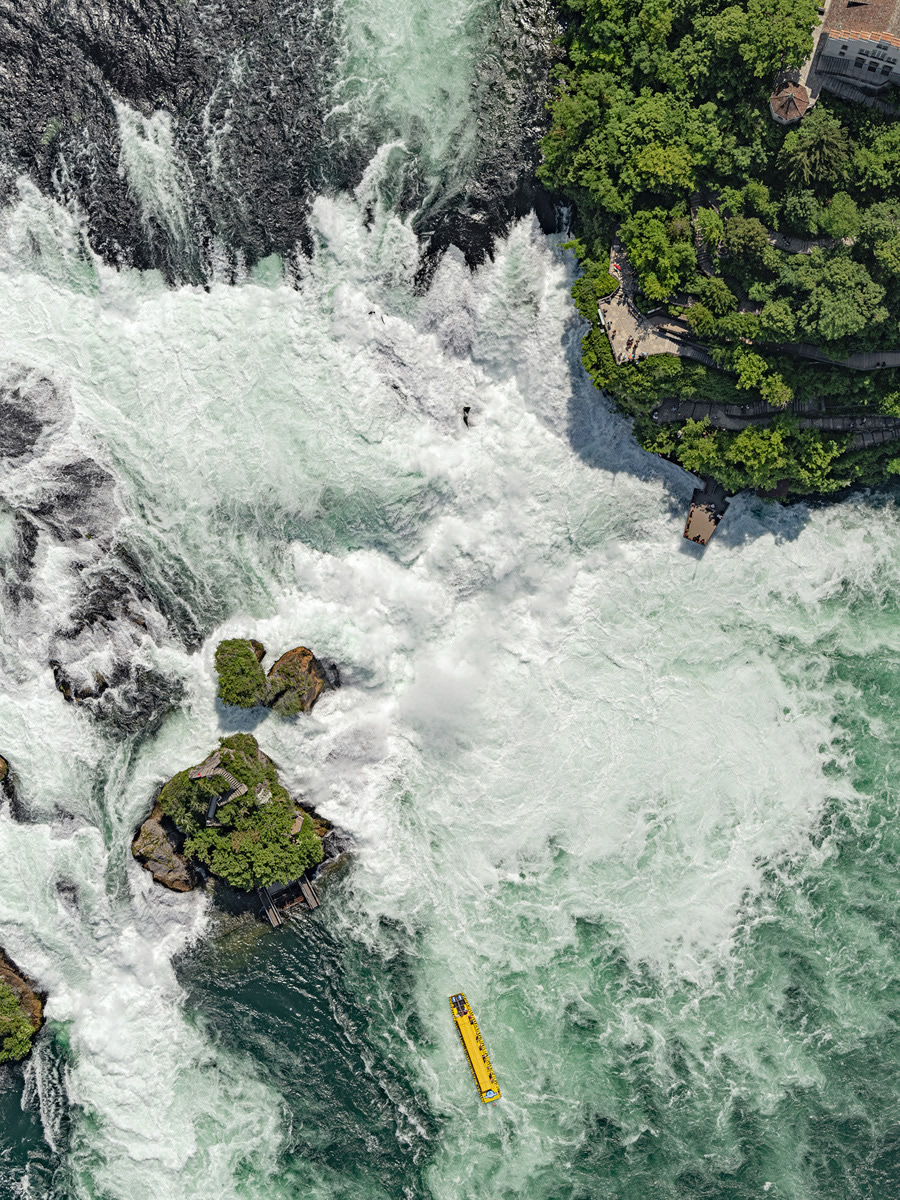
639, 803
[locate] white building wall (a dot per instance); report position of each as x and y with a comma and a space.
870, 59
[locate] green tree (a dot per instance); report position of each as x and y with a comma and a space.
836, 297
778, 34
746, 238
716, 295
777, 321
595, 282
712, 228
775, 391
702, 321
751, 369
880, 222
887, 255
16, 1030
802, 211
817, 155
841, 219
698, 448
876, 162
663, 265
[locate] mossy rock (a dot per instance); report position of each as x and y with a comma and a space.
296, 682
21, 1012
242, 682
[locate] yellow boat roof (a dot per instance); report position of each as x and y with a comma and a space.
475, 1049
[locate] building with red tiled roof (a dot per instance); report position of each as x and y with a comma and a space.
790, 99
861, 44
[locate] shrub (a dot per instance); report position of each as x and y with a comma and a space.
242, 681
16, 1030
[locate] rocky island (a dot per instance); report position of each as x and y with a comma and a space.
232, 815
292, 686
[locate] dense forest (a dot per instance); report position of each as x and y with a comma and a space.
662, 139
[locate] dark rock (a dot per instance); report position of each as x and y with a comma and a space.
82, 77
67, 890
156, 847
72, 66
335, 844
133, 699
30, 405
258, 649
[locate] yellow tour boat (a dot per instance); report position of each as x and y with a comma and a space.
476, 1052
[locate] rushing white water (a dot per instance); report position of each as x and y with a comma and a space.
155, 178
553, 718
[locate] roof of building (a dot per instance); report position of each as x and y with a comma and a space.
789, 103
864, 17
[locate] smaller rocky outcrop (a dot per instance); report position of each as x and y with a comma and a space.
292, 686
21, 1011
4, 769
242, 681
156, 846
296, 681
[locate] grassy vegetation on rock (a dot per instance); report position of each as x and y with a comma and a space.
295, 682
16, 1027
242, 681
293, 685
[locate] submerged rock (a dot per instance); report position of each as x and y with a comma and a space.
296, 682
17, 1029
156, 848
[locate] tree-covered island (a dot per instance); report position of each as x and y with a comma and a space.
232, 814
755, 255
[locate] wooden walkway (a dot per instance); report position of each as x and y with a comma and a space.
876, 360
211, 767
870, 431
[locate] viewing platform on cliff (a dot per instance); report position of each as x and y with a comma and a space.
708, 505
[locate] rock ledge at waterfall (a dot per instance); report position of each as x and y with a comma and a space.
157, 846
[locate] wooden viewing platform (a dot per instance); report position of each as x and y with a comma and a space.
211, 767
280, 898
708, 505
